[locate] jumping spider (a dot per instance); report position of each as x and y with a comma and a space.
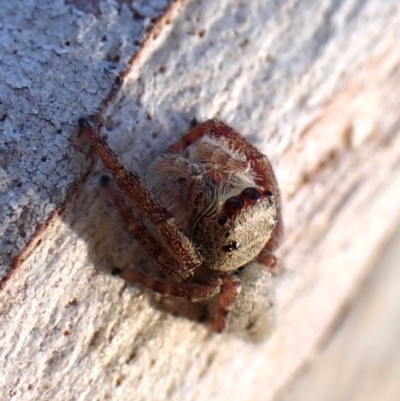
213, 217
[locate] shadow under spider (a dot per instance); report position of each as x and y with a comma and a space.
95, 219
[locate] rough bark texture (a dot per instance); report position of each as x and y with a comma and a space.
315, 85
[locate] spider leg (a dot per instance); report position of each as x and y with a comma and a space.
194, 291
192, 136
143, 236
168, 229
245, 307
268, 259
229, 290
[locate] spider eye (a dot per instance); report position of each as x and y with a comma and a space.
234, 204
268, 193
222, 220
251, 193
233, 246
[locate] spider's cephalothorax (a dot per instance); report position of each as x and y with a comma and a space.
213, 202
212, 190
235, 233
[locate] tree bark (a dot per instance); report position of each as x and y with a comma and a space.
314, 85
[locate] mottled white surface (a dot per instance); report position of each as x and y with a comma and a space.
57, 64
315, 85
364, 354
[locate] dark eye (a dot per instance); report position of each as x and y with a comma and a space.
268, 193
234, 204
251, 193
233, 246
222, 220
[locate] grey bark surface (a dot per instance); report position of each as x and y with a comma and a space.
58, 64
314, 85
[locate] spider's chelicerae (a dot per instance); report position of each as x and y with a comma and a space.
212, 218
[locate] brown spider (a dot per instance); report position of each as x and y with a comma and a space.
213, 215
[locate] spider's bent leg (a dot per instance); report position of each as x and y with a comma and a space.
231, 287
247, 312
156, 250
268, 259
195, 291
192, 136
130, 183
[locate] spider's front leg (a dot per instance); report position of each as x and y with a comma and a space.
171, 235
245, 304
156, 250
